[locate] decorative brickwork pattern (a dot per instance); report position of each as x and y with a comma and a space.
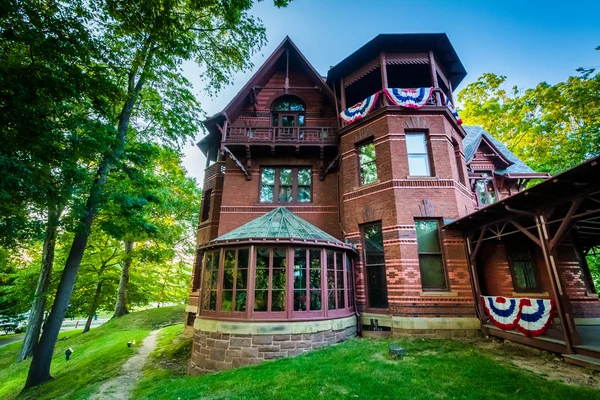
214, 351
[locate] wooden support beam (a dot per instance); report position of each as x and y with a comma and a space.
526, 232
566, 224
343, 94
332, 164
478, 244
384, 79
474, 281
248, 157
238, 163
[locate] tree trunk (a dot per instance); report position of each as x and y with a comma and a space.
38, 307
121, 307
94, 306
39, 370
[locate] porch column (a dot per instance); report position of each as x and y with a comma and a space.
563, 306
472, 264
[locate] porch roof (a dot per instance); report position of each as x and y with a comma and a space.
581, 183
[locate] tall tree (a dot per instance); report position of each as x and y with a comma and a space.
145, 43
551, 127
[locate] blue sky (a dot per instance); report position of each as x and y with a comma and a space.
529, 41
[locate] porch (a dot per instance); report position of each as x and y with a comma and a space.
533, 245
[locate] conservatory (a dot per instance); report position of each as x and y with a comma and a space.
275, 284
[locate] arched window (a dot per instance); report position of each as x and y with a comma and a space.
287, 112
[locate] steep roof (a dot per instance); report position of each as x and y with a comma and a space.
404, 42
471, 142
277, 224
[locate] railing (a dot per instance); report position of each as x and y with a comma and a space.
300, 134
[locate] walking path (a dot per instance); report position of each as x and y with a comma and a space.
119, 388
7, 341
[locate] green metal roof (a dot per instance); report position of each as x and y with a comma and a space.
279, 223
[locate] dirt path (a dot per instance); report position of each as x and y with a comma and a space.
6, 342
119, 388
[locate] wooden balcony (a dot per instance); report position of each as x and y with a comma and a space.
281, 135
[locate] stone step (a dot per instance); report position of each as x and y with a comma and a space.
584, 361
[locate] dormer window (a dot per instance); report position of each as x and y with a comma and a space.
287, 114
485, 189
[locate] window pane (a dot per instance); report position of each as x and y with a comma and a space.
315, 300
341, 299
266, 194
415, 143
427, 236
523, 267
268, 176
285, 176
275, 119
278, 278
418, 165
377, 287
480, 188
267, 184
285, 194
300, 269
331, 297
301, 120
261, 300
226, 300
242, 258
240, 300
299, 300
285, 185
304, 177
296, 105
288, 120
368, 165
315, 278
304, 194
373, 244
278, 300
262, 269
242, 279
432, 271
228, 266
213, 300
339, 276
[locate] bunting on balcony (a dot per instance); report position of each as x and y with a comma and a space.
532, 317
359, 110
536, 316
409, 98
452, 108
503, 312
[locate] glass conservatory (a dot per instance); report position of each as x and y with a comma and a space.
277, 267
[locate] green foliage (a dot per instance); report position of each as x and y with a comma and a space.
593, 260
550, 127
362, 369
98, 356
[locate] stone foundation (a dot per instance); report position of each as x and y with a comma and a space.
426, 327
215, 351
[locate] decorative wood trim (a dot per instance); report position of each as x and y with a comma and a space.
361, 72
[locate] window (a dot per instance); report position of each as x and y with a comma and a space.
206, 204
235, 280
335, 281
375, 265
270, 278
349, 282
285, 185
211, 278
522, 267
431, 262
367, 163
418, 157
307, 280
485, 191
287, 113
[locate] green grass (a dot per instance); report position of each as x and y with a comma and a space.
99, 355
171, 356
362, 369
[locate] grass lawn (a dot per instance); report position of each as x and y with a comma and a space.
98, 355
361, 369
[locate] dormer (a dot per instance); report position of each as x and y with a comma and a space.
397, 63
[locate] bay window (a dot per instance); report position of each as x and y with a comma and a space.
210, 280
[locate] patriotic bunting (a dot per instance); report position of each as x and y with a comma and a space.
503, 312
530, 316
536, 316
409, 98
452, 109
359, 110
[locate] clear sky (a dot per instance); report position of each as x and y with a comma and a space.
529, 41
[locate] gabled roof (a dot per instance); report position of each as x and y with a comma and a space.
404, 42
279, 224
476, 135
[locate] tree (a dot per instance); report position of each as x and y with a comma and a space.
144, 44
550, 127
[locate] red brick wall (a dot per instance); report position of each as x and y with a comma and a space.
397, 199
583, 305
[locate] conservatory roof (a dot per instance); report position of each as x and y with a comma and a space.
282, 225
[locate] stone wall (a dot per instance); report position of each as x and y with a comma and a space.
214, 351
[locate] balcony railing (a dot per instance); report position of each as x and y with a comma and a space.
302, 134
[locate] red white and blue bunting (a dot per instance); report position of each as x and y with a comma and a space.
536, 316
409, 98
359, 110
452, 109
532, 317
503, 312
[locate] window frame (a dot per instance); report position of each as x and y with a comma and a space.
526, 246
358, 146
308, 313
295, 186
428, 148
208, 311
366, 266
439, 222
234, 290
271, 314
489, 178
